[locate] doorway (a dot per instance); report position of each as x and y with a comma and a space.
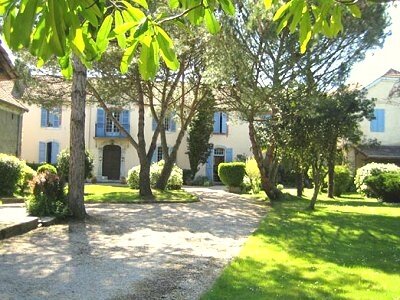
219, 157
112, 162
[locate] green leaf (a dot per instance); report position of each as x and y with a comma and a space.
134, 12
355, 10
147, 62
78, 41
211, 22
166, 49
305, 32
4, 6
228, 7
24, 22
127, 57
196, 16
267, 4
66, 66
142, 28
173, 4
281, 10
142, 3
121, 38
102, 35
125, 27
58, 34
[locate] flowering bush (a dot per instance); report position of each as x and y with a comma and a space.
133, 177
48, 197
368, 170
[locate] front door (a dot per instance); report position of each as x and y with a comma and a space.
112, 162
219, 157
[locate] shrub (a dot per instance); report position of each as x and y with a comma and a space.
201, 181
246, 185
253, 173
63, 159
133, 178
26, 176
368, 170
175, 180
187, 176
385, 185
231, 174
10, 173
280, 187
47, 168
342, 180
48, 197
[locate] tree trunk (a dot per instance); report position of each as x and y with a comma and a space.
272, 192
331, 170
144, 178
300, 183
77, 142
317, 185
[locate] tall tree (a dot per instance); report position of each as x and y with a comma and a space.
199, 133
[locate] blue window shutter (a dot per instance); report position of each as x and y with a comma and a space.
172, 124
217, 122
100, 126
43, 119
153, 124
224, 125
229, 155
55, 149
42, 152
381, 120
378, 123
56, 118
209, 166
125, 120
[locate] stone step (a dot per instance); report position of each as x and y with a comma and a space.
23, 226
12, 200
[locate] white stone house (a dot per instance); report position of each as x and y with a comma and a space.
46, 133
385, 127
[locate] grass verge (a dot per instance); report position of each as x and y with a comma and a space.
349, 248
101, 193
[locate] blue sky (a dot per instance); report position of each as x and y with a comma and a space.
378, 62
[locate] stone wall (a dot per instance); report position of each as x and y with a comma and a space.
9, 131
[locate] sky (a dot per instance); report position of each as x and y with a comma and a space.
378, 62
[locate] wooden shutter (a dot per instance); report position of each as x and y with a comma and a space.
100, 124
224, 124
43, 117
55, 149
229, 155
125, 120
154, 124
217, 122
209, 167
42, 152
172, 124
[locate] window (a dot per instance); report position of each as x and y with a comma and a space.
48, 152
50, 117
220, 123
110, 125
169, 124
159, 153
219, 152
377, 124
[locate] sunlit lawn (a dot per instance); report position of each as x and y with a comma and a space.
101, 193
349, 248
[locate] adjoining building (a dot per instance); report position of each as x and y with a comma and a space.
11, 110
383, 131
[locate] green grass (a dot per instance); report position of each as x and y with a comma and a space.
349, 248
100, 193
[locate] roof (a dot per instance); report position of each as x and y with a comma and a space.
6, 66
391, 75
6, 95
380, 151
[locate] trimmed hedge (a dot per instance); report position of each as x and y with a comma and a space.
342, 180
47, 168
368, 170
385, 185
10, 174
232, 174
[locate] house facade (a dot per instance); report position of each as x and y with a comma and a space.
46, 133
382, 133
11, 110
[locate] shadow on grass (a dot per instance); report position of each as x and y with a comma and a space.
353, 239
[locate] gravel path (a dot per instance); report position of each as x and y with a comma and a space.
157, 251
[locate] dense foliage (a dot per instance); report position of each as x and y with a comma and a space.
385, 185
63, 159
26, 176
47, 168
368, 170
175, 181
10, 174
48, 197
232, 174
253, 174
342, 180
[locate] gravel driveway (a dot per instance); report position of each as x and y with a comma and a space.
149, 251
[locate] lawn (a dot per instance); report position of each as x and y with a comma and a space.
102, 193
349, 248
